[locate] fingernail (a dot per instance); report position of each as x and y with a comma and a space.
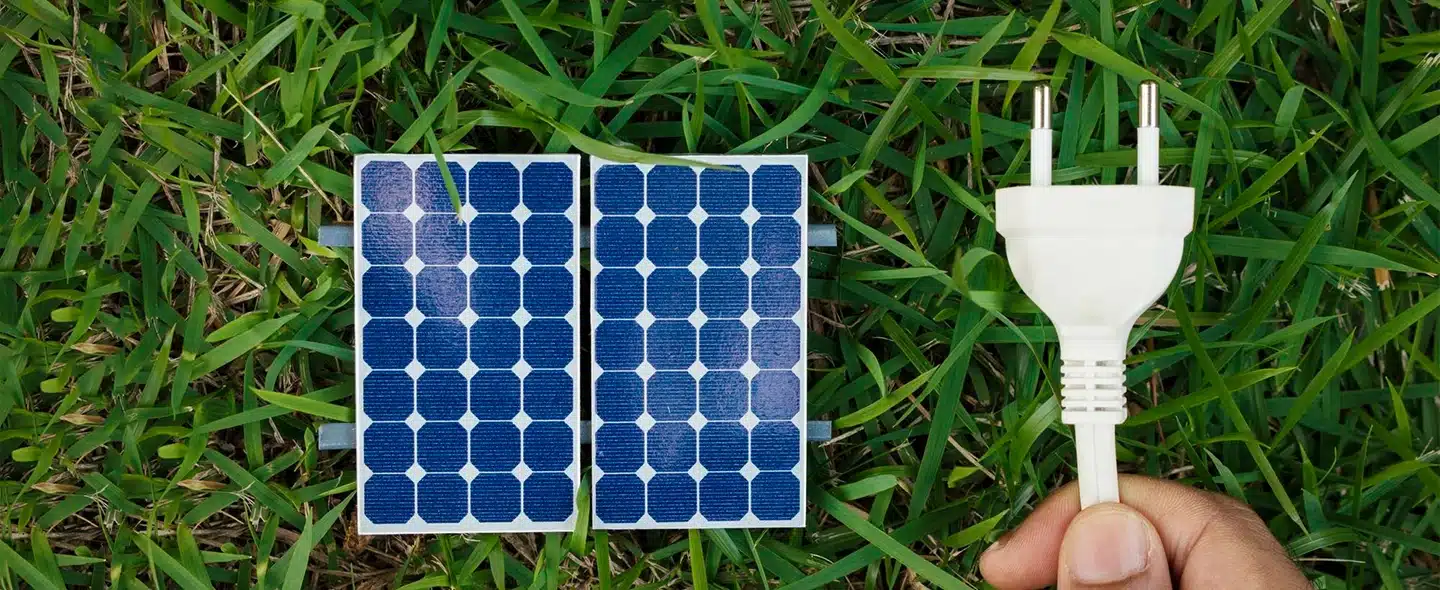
997, 545
1105, 545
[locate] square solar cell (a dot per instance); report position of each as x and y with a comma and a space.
467, 327
698, 311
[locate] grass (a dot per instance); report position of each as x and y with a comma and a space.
172, 333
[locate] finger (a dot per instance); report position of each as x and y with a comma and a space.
1235, 550
1112, 547
1028, 557
1209, 539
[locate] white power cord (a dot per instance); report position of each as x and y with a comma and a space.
1094, 257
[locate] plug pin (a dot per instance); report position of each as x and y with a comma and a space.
1041, 110
1147, 145
1041, 137
1149, 104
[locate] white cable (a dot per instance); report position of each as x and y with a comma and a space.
1095, 454
1093, 258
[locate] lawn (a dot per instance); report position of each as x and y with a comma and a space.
172, 332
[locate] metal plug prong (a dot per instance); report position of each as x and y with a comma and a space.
1147, 145
1041, 137
1149, 104
1041, 109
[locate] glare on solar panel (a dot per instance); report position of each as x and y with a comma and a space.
467, 331
698, 336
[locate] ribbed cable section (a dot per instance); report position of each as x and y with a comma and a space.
1092, 392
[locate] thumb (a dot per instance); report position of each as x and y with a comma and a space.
1112, 546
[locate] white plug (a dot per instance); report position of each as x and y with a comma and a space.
1093, 258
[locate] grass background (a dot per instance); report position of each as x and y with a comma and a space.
172, 333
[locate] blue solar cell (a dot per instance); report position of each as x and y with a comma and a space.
718, 440
670, 293
435, 343
619, 397
670, 190
440, 395
391, 498
549, 343
775, 445
724, 496
724, 344
494, 187
495, 497
624, 498
775, 395
494, 291
392, 447
724, 293
388, 288
619, 447
441, 239
672, 497
548, 239
670, 241
391, 344
436, 288
495, 446
619, 293
670, 395
547, 291
775, 241
775, 190
541, 440
695, 309
775, 344
430, 191
494, 395
670, 344
440, 446
549, 497
547, 187
387, 238
775, 495
724, 241
619, 190
619, 345
495, 344
385, 186
670, 446
549, 395
442, 498
724, 191
625, 240
494, 239
467, 318
724, 395
389, 395
775, 292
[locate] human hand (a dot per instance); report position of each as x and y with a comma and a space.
1165, 535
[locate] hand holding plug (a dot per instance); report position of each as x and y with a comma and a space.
1093, 258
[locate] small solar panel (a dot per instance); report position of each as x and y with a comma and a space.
698, 314
467, 327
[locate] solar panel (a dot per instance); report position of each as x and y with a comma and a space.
467, 328
698, 373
